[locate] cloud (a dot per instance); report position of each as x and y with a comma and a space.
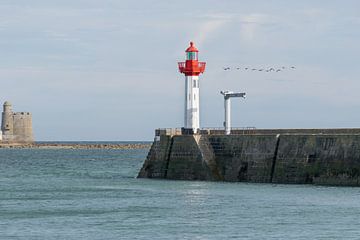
316, 13
249, 25
211, 27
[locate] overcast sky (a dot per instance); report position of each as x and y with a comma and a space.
107, 70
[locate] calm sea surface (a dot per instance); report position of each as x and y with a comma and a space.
93, 194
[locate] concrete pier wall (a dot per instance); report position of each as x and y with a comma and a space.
325, 157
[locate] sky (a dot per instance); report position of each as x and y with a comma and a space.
107, 70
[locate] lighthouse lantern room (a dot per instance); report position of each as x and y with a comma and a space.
192, 68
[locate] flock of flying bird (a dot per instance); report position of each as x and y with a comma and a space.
260, 69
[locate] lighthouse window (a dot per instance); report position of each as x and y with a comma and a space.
191, 55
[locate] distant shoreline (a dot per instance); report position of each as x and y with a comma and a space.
86, 145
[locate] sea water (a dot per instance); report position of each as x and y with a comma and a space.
93, 194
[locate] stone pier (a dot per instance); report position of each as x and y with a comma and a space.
298, 156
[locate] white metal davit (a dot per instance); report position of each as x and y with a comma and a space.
227, 104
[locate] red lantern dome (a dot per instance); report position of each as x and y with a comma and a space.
191, 67
192, 48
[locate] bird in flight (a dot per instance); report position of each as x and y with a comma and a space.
267, 69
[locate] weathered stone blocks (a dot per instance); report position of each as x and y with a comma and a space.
327, 157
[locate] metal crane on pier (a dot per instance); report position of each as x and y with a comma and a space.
227, 105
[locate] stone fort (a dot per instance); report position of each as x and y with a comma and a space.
16, 127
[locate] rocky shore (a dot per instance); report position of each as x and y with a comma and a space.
77, 146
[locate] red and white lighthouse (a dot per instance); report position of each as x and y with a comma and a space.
192, 69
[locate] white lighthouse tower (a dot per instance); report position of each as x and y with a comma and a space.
192, 69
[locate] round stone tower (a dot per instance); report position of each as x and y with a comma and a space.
7, 123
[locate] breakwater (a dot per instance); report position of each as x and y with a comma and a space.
63, 145
299, 156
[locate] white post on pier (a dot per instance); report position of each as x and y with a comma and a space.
227, 123
227, 104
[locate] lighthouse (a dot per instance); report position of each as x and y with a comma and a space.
192, 68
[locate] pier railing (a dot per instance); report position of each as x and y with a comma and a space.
221, 131
204, 131
253, 130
